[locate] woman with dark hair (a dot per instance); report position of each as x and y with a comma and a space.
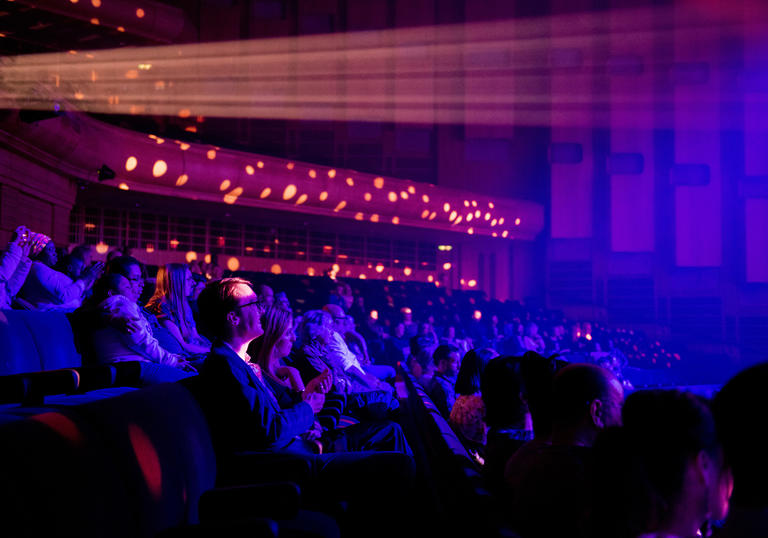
662, 474
468, 413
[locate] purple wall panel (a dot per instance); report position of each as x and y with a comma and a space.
756, 217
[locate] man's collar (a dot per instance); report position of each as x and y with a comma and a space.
247, 357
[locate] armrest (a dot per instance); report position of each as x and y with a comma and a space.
260, 467
276, 500
96, 377
49, 383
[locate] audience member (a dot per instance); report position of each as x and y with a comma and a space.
441, 388
117, 332
663, 473
543, 476
266, 295
14, 266
468, 412
171, 306
338, 351
48, 289
506, 416
737, 409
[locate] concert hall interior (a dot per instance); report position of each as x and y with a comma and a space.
366, 267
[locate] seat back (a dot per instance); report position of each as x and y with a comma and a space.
33, 341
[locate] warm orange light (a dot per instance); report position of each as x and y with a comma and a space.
331, 173
493, 222
233, 264
289, 192
358, 216
323, 196
174, 244
102, 247
184, 146
425, 214
392, 196
311, 271
140, 13
120, 29
477, 314
232, 196
211, 154
259, 164
470, 217
472, 283
160, 168
265, 192
477, 214
432, 215
289, 166
494, 234
191, 129
191, 256
447, 208
458, 220
301, 199
185, 113
395, 220
379, 268
378, 182
341, 205
491, 205
517, 221
430, 278
150, 248
474, 203
312, 173
487, 216
505, 233
452, 215
407, 271
250, 170
374, 314
131, 163
183, 178
131, 74
123, 186
350, 182
336, 268
375, 218
275, 269
367, 196
501, 221
390, 278
95, 21
447, 266
466, 203
362, 276
79, 96
224, 185
471, 231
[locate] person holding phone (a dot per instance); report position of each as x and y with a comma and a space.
49, 289
14, 266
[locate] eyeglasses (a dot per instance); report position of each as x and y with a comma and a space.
257, 303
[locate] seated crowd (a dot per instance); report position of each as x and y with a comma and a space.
559, 447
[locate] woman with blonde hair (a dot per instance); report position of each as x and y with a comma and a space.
169, 303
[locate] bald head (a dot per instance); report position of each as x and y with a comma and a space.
586, 396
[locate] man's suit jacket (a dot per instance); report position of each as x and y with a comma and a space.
242, 413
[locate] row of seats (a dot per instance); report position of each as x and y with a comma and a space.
135, 465
464, 504
40, 366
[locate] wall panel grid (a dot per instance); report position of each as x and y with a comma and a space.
150, 232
